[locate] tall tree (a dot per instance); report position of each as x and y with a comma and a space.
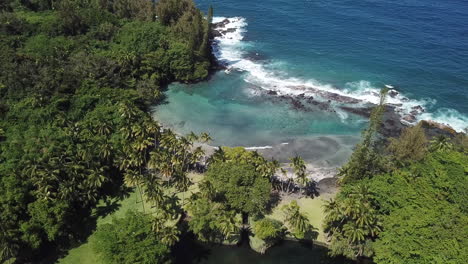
243, 189
297, 222
130, 240
299, 168
410, 146
365, 162
352, 222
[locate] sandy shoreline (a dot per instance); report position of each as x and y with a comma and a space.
324, 155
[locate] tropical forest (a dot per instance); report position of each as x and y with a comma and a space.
96, 167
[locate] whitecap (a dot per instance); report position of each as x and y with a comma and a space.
230, 50
258, 148
449, 117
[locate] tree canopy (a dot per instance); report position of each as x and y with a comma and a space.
130, 240
240, 185
413, 211
78, 78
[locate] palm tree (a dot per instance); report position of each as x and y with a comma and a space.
96, 178
296, 221
353, 219
218, 155
8, 249
299, 168
205, 137
441, 143
227, 224
169, 235
354, 233
206, 189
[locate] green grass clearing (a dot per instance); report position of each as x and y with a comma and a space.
85, 254
311, 207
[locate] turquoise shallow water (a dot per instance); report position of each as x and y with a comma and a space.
226, 108
354, 47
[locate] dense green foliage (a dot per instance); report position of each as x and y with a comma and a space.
243, 189
353, 222
413, 209
365, 160
411, 146
236, 186
76, 81
212, 221
269, 230
425, 218
130, 240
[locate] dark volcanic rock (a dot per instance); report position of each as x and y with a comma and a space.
418, 108
364, 112
221, 23
297, 104
229, 30
271, 92
391, 125
341, 99
393, 93
435, 129
216, 33
409, 118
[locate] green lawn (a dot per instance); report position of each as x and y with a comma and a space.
84, 253
313, 209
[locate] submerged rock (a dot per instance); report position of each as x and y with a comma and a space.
221, 23
393, 93
409, 118
271, 92
364, 112
418, 109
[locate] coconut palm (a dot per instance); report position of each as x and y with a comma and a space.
227, 224
218, 155
169, 235
353, 220
205, 137
441, 143
296, 221
299, 168
354, 232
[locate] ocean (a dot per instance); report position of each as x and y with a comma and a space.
344, 47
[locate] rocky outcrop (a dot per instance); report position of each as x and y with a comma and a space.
219, 29
435, 129
308, 99
360, 111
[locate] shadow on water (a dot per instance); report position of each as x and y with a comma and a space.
288, 252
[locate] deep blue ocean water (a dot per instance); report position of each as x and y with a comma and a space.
418, 46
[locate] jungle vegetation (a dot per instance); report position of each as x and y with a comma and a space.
402, 200
77, 78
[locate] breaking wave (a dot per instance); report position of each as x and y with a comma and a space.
230, 50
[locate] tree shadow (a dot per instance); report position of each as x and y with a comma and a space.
107, 209
312, 190
275, 199
189, 250
311, 234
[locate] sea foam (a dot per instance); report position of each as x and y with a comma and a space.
229, 49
